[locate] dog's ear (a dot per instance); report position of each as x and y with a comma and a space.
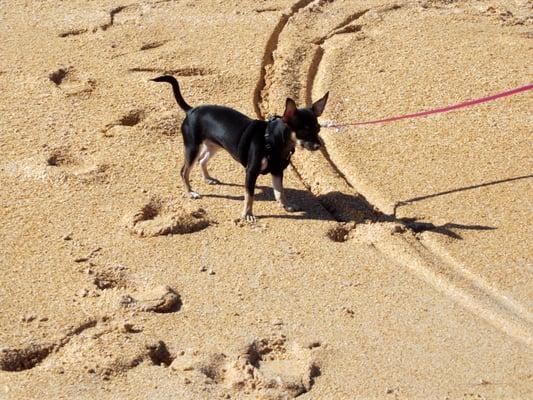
290, 109
319, 105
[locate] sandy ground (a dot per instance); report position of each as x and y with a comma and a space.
407, 274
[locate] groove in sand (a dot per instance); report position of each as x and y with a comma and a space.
463, 288
268, 57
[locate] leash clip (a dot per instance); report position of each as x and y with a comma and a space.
330, 124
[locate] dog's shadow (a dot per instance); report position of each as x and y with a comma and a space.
357, 209
341, 207
308, 208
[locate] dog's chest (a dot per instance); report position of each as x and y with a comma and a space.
278, 160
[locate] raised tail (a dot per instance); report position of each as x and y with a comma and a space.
176, 88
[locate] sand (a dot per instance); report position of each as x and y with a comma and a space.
406, 274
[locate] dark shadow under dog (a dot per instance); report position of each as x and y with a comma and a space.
341, 207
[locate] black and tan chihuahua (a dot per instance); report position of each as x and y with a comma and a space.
260, 146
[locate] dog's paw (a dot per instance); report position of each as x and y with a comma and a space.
212, 181
194, 195
290, 207
248, 217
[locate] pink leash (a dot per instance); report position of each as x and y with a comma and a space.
436, 110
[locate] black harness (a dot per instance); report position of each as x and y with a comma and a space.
274, 144
271, 142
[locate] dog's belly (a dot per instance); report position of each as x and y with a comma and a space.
210, 145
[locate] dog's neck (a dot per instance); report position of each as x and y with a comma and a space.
280, 139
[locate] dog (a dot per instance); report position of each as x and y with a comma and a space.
262, 147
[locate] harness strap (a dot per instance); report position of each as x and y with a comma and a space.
245, 140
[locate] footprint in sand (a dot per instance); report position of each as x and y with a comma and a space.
31, 355
21, 359
62, 164
341, 232
123, 122
103, 348
71, 83
158, 217
108, 351
57, 165
111, 278
266, 368
133, 292
99, 19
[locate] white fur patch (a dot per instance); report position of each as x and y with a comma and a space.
293, 137
264, 164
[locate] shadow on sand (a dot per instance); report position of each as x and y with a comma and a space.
343, 207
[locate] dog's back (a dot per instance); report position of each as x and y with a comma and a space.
222, 125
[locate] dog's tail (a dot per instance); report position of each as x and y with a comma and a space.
176, 88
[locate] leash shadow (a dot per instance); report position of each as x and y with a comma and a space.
457, 190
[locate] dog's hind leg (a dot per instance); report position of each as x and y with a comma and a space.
192, 151
210, 148
191, 155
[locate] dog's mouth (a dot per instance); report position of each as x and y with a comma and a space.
311, 146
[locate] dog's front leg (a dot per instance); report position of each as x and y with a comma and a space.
279, 193
252, 172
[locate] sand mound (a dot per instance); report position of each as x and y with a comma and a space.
156, 218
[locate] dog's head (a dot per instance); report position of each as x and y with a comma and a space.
303, 122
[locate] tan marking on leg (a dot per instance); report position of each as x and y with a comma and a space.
210, 149
277, 185
247, 213
279, 194
185, 177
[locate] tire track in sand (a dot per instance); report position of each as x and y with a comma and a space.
449, 277
261, 89
403, 245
